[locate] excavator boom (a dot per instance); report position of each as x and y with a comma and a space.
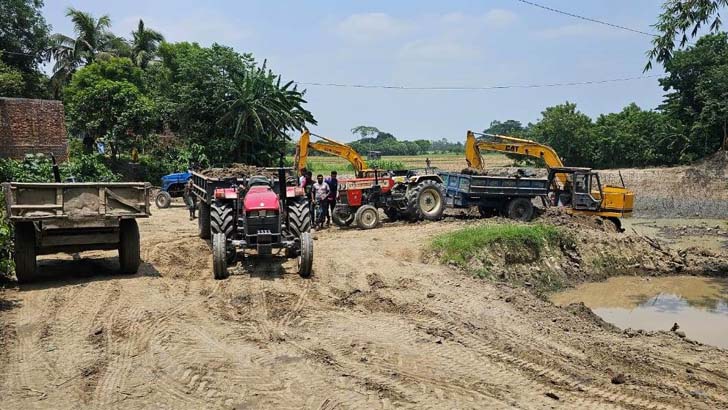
328, 146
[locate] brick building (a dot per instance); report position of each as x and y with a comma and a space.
32, 126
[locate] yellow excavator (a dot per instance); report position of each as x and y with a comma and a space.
332, 147
579, 189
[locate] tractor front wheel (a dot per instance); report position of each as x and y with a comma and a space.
219, 256
305, 259
299, 216
163, 200
222, 219
367, 217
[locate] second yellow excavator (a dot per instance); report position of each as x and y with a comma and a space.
579, 189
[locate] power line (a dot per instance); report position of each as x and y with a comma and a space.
483, 88
566, 13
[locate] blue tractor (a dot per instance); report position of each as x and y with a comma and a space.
173, 186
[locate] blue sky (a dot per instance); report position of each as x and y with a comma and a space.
417, 43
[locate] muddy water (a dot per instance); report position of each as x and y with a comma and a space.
698, 305
682, 233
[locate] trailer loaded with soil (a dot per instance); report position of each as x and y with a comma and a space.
74, 217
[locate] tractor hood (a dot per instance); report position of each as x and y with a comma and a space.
179, 176
259, 198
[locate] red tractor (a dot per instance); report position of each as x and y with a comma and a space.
257, 213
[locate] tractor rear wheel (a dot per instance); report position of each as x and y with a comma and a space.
163, 200
367, 217
305, 258
129, 253
222, 219
426, 201
299, 217
203, 221
342, 218
520, 209
25, 263
219, 256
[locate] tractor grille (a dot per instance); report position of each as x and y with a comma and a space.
263, 223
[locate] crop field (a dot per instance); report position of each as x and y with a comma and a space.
450, 162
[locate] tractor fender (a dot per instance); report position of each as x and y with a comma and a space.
419, 178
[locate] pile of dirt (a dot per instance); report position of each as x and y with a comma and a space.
238, 171
514, 172
559, 217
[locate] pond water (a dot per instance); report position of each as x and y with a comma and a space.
698, 305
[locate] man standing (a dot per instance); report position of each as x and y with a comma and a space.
189, 198
333, 184
321, 192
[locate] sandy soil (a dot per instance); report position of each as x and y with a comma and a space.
374, 328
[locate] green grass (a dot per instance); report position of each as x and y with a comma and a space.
462, 245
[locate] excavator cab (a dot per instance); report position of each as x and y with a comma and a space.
587, 194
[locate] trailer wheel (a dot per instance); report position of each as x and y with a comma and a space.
520, 209
221, 218
305, 258
299, 216
342, 219
426, 201
25, 263
163, 200
219, 256
129, 255
367, 217
203, 221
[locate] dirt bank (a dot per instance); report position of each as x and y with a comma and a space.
699, 190
374, 328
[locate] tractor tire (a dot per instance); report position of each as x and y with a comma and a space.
305, 258
219, 256
299, 217
367, 217
163, 200
222, 219
393, 214
129, 253
203, 221
426, 201
25, 262
341, 219
520, 209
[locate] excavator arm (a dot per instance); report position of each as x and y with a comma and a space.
328, 146
510, 145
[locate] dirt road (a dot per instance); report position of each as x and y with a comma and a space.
374, 328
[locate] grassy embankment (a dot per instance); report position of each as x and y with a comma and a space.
489, 251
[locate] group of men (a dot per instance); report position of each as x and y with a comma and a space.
322, 195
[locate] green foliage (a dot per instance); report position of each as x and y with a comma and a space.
682, 19
105, 100
23, 30
372, 139
11, 81
383, 164
567, 130
144, 44
462, 245
39, 168
6, 242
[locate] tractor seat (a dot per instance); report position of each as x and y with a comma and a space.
259, 180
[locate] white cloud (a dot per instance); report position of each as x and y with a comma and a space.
499, 18
437, 49
369, 27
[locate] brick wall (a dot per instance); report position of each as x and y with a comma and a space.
32, 126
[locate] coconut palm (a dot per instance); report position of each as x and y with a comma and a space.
260, 113
92, 40
144, 44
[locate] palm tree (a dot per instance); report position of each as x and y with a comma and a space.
144, 44
93, 39
260, 113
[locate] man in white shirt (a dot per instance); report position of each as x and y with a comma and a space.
321, 191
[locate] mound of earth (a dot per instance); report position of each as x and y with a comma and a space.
508, 172
238, 171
